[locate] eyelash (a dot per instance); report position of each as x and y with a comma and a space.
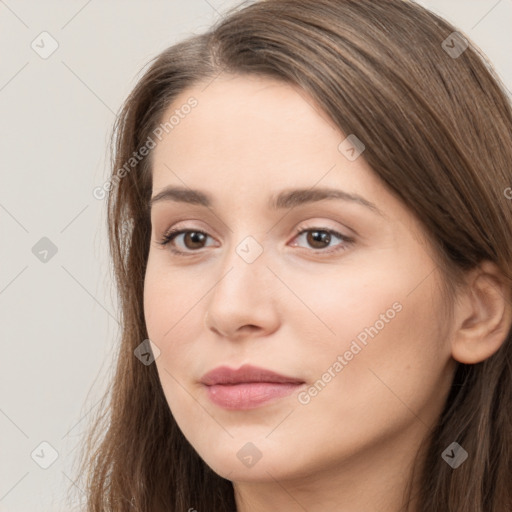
170, 235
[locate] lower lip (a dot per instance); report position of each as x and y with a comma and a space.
248, 395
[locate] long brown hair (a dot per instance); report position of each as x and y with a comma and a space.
437, 125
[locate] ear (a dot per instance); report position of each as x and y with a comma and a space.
483, 315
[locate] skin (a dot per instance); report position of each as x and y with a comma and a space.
296, 308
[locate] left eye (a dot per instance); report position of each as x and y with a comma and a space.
320, 238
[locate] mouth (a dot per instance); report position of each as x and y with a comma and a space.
247, 387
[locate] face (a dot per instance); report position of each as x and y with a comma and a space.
339, 294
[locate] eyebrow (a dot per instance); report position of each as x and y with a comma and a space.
285, 199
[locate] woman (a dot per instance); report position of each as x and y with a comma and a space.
308, 218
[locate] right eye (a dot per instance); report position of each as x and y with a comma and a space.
192, 240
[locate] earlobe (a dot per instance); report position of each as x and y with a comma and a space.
483, 315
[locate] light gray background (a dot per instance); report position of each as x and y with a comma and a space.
58, 318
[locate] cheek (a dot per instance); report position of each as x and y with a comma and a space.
376, 330
387, 357
171, 298
335, 306
174, 320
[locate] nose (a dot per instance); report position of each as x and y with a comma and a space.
244, 298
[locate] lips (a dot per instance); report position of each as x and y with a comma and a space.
247, 387
245, 374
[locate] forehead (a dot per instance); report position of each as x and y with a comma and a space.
245, 130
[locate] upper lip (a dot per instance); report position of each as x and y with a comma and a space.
245, 374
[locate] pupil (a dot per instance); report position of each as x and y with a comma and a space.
315, 237
195, 237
